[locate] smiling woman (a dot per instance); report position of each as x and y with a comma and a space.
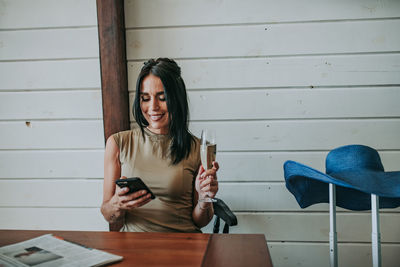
162, 77
164, 154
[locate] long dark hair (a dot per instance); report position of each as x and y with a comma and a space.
178, 109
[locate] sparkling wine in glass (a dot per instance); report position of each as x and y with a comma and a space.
208, 153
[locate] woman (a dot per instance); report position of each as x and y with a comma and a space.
162, 152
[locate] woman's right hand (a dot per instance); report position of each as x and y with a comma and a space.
124, 201
116, 201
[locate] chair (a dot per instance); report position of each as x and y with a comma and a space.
222, 211
375, 234
356, 175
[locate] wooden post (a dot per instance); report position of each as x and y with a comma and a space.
114, 77
114, 81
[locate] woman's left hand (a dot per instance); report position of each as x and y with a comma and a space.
206, 181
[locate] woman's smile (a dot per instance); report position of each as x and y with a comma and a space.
156, 117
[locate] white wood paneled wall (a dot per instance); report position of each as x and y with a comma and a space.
51, 129
284, 80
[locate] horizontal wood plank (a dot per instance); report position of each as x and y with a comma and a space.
260, 196
291, 103
142, 13
255, 197
88, 193
24, 14
310, 71
49, 44
234, 166
249, 135
268, 166
51, 164
284, 254
276, 226
51, 193
72, 219
51, 105
50, 75
302, 135
295, 103
264, 40
314, 227
352, 227
66, 134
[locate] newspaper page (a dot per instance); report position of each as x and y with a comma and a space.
48, 251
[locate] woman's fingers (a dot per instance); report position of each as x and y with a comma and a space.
201, 169
139, 201
215, 165
210, 188
139, 194
121, 191
208, 173
211, 194
134, 195
209, 185
213, 171
133, 200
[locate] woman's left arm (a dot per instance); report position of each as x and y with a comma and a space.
206, 186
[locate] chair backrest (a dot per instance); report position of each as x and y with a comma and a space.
222, 211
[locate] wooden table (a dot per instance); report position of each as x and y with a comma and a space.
164, 249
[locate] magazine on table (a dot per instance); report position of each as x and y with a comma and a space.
49, 250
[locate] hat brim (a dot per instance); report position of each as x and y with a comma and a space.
353, 191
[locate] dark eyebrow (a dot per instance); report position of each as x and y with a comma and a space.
157, 94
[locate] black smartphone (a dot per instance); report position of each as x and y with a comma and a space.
135, 184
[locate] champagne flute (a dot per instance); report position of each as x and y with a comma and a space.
208, 153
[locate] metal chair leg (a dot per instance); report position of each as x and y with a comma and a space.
216, 225
332, 231
226, 229
376, 235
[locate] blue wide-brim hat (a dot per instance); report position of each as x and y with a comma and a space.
357, 172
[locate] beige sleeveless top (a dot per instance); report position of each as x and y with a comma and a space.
149, 159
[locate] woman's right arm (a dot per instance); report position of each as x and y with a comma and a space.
112, 171
115, 200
